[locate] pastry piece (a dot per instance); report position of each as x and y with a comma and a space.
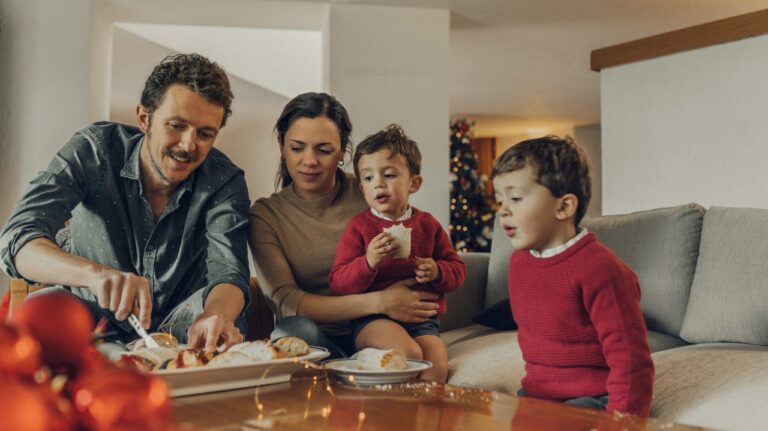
291, 346
258, 351
381, 360
402, 236
164, 339
189, 358
230, 358
156, 355
134, 362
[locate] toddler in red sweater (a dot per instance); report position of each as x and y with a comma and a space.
370, 258
576, 304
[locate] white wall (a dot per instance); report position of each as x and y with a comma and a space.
589, 138
390, 65
44, 92
689, 127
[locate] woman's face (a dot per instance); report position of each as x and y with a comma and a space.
312, 151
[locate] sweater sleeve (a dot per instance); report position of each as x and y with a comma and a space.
272, 267
612, 299
452, 268
350, 273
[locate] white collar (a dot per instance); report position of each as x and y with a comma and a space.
549, 252
406, 216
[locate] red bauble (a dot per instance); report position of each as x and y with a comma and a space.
91, 361
23, 408
116, 398
60, 322
19, 352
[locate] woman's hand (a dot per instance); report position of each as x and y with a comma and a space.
401, 303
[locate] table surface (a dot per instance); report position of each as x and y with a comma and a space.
314, 401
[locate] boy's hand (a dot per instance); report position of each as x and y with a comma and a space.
381, 247
427, 270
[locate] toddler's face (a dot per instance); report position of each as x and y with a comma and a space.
527, 210
387, 182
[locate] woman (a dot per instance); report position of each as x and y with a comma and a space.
294, 232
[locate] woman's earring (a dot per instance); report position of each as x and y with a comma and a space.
341, 163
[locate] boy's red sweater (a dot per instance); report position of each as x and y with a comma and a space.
350, 273
581, 329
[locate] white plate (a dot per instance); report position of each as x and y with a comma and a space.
214, 378
349, 373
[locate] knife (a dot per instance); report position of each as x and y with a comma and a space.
148, 341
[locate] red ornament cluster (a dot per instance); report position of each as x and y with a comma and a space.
54, 379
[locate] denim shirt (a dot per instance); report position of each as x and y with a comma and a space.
199, 241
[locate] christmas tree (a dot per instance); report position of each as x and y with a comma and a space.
471, 211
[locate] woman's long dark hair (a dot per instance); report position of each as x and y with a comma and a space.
311, 105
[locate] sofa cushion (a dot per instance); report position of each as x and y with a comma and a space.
498, 266
497, 316
721, 386
480, 357
729, 296
658, 341
661, 246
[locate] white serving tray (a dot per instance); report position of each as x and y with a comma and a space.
205, 379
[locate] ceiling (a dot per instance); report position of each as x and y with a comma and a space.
524, 64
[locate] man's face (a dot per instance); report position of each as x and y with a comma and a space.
179, 136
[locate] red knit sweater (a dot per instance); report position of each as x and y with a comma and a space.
580, 326
350, 273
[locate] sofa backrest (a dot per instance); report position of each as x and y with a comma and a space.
661, 246
729, 295
498, 266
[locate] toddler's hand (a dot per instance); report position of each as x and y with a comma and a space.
427, 270
381, 247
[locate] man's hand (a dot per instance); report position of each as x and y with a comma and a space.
123, 293
213, 332
381, 247
401, 303
427, 270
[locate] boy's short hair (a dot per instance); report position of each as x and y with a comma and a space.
561, 166
394, 139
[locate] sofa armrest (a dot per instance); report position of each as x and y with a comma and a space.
468, 300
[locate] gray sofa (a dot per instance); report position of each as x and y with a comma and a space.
704, 280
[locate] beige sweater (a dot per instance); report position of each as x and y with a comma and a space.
293, 241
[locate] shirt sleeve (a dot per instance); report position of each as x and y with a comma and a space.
49, 199
613, 303
226, 222
272, 267
350, 273
453, 271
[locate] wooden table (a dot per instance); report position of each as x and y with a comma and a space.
312, 401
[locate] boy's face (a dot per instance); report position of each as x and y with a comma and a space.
528, 212
387, 182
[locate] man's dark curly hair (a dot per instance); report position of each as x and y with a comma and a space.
193, 71
394, 139
560, 165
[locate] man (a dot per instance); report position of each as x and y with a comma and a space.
158, 218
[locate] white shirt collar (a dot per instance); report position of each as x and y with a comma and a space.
406, 216
549, 252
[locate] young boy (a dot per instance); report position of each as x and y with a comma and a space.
370, 258
577, 305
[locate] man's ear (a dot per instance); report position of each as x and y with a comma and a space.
142, 118
416, 181
567, 206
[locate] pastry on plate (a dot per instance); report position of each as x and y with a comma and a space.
291, 346
372, 359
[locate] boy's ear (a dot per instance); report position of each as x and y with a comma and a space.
416, 181
142, 117
567, 207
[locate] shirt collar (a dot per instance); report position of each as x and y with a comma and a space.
406, 216
549, 252
132, 170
